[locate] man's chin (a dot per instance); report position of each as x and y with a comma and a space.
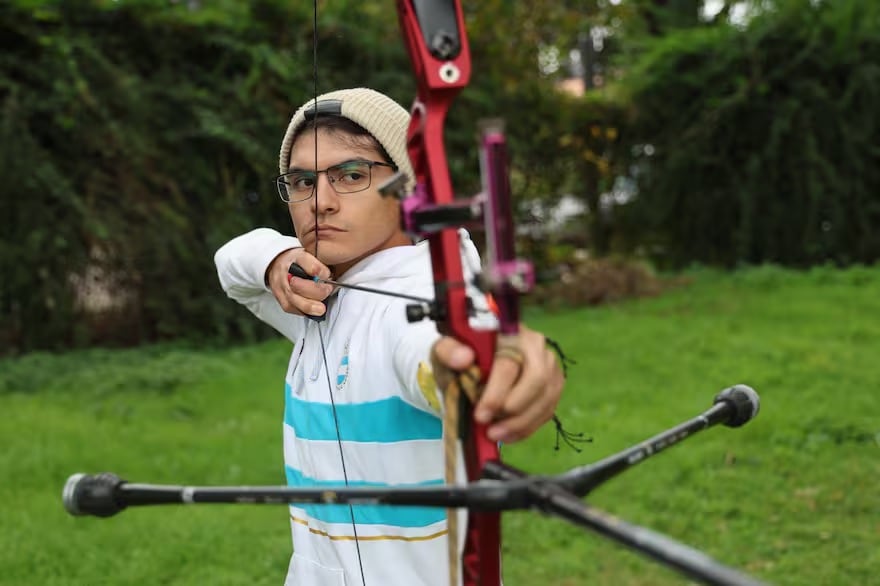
338, 263
327, 251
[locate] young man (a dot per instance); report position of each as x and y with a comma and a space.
361, 407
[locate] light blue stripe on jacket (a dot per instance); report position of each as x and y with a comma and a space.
384, 421
366, 514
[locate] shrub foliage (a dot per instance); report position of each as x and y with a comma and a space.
763, 144
135, 138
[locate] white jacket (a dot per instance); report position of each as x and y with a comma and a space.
362, 420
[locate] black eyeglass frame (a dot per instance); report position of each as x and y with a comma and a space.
281, 184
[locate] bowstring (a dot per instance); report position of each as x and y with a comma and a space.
315, 106
357, 544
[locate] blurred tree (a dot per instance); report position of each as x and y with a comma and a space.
759, 143
142, 134
138, 136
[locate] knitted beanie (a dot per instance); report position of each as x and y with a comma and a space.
376, 113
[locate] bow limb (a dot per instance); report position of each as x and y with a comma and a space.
437, 45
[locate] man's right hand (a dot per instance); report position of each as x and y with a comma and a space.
295, 295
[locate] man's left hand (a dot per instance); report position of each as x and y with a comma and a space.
520, 395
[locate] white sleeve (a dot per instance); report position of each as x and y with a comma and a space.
241, 266
414, 341
411, 356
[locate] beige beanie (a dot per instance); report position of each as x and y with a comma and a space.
376, 113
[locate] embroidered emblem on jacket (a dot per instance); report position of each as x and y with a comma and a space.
342, 371
425, 378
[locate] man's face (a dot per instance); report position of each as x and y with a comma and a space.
350, 226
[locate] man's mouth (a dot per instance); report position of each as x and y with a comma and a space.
325, 228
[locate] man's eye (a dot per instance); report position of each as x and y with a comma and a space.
350, 176
303, 183
352, 173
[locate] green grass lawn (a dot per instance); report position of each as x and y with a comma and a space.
792, 497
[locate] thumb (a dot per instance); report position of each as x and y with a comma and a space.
452, 354
447, 356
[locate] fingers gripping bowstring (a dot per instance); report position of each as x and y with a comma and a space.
321, 318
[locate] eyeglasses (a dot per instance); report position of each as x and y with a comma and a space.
346, 177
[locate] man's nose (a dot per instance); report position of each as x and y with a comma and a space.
325, 196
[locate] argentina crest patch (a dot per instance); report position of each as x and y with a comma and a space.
342, 370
